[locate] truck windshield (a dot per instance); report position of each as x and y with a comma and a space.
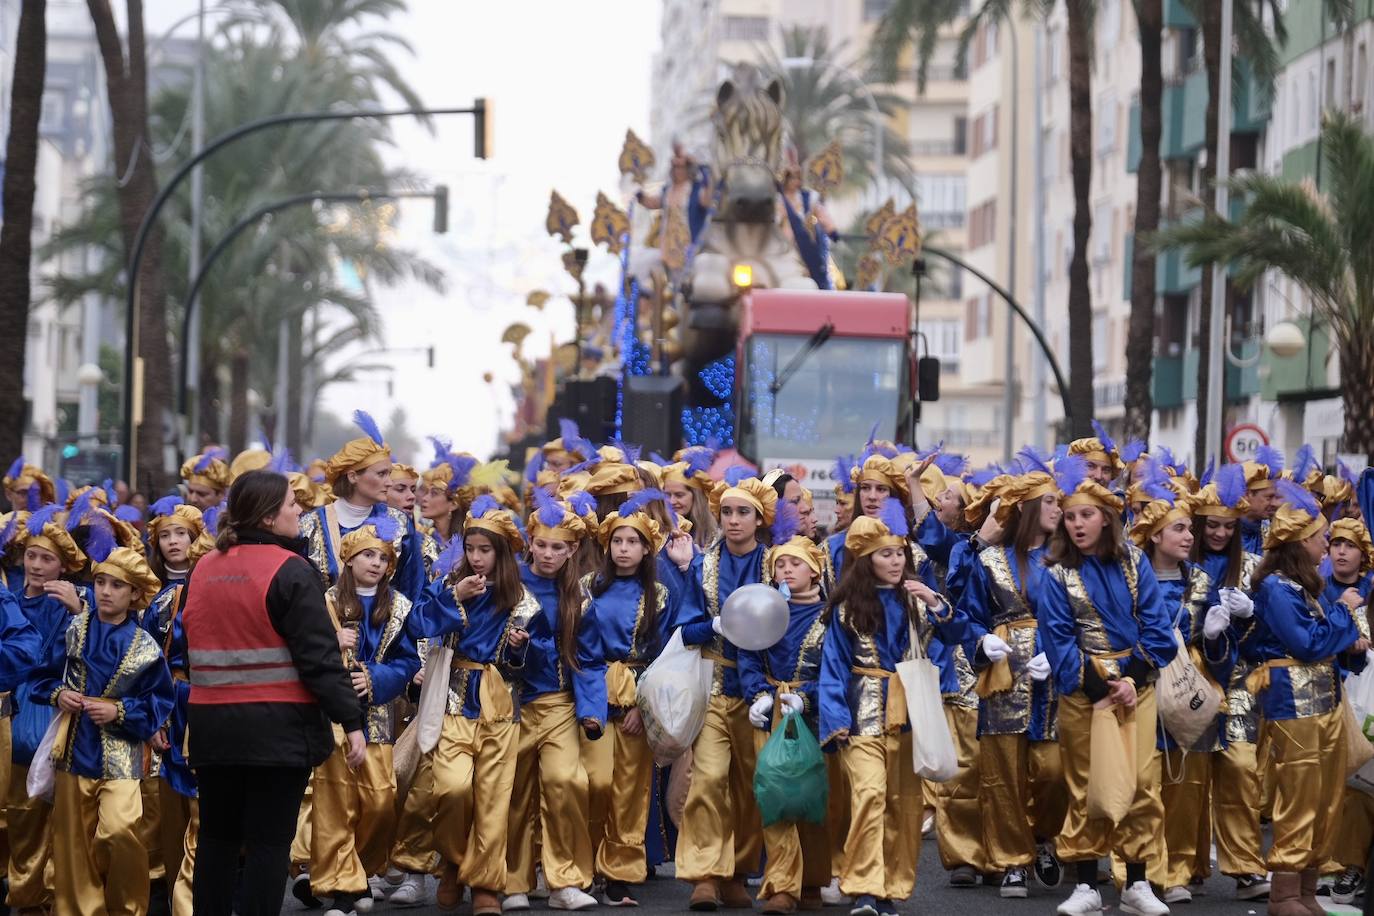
830, 403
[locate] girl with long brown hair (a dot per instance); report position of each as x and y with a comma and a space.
689, 486
1301, 644
631, 612
562, 696
1105, 634
481, 609
354, 809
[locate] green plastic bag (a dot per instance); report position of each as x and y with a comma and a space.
790, 780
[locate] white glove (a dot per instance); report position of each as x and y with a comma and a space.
791, 702
1237, 603
715, 625
1216, 622
1039, 667
995, 647
758, 713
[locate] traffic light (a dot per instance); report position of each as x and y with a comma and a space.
482, 128
70, 450
440, 209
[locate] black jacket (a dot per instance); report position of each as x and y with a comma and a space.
284, 734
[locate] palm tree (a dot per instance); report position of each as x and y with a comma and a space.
1319, 241
21, 162
1139, 402
918, 23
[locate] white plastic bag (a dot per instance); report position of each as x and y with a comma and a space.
41, 778
429, 713
932, 747
672, 696
1360, 695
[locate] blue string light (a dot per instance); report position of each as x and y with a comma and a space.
704, 424
719, 376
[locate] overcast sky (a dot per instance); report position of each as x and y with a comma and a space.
565, 79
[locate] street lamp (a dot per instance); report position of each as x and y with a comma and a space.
1284, 339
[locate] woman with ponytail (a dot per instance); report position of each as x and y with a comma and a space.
562, 696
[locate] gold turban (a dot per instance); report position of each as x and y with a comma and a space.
803, 548
254, 459
1157, 515
1092, 449
613, 477
499, 522
750, 490
357, 455
367, 538
185, 515
869, 535
1354, 531
1092, 493
206, 471
639, 521
128, 566
880, 470
404, 472
30, 474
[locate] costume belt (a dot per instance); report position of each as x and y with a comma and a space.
895, 712
996, 678
1100, 660
1259, 679
718, 658
494, 696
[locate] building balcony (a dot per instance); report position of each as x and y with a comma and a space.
1174, 379
1166, 382
1184, 116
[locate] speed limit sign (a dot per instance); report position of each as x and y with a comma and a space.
1244, 440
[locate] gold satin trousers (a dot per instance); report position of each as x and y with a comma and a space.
883, 844
550, 799
1023, 797
720, 835
958, 813
473, 774
1236, 804
100, 866
1135, 838
181, 892
1308, 756
797, 854
29, 825
622, 786
353, 823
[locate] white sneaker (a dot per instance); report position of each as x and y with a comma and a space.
364, 904
1084, 901
571, 898
1140, 899
335, 911
1178, 894
394, 877
515, 903
831, 895
378, 886
410, 893
541, 887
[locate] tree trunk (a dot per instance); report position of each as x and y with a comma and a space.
238, 402
1357, 399
295, 384
16, 234
127, 82
1211, 53
1081, 162
208, 397
1140, 333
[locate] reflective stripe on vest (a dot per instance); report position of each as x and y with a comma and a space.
235, 653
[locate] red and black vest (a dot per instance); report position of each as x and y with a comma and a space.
235, 654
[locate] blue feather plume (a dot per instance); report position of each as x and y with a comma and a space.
535, 465
111, 496
592, 461
568, 432
547, 509
659, 460
786, 522
281, 462
1271, 458
203, 462
1032, 459
211, 517
462, 466
1298, 497
893, 515
698, 459
62, 488
165, 506
1133, 450
844, 468
16, 468
42, 517
34, 498
638, 501
442, 447
364, 421
923, 455
1107, 444
1155, 483
1070, 472
10, 530
386, 527
1209, 473
1344, 471
951, 464
1305, 462
737, 473
582, 502
1230, 481
100, 539
449, 557
484, 504
128, 514
80, 509
981, 477
630, 452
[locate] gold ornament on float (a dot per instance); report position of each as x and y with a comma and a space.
825, 171
867, 272
636, 157
561, 219
515, 334
679, 236
609, 224
537, 299
670, 318
571, 265
899, 239
873, 226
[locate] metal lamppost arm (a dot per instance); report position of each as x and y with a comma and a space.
238, 229
478, 109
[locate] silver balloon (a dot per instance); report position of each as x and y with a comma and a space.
754, 617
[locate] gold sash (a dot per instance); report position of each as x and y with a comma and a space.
895, 711
996, 678
494, 696
718, 658
1109, 656
779, 688
620, 684
1259, 678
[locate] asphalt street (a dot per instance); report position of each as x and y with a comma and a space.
933, 896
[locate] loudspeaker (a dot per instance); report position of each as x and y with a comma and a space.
651, 415
590, 403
